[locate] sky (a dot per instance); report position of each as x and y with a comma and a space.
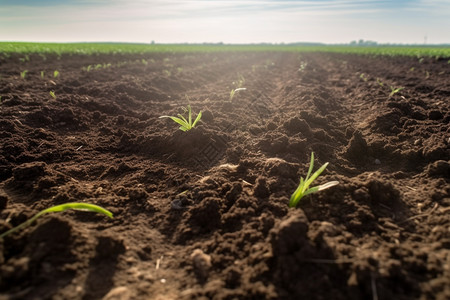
227, 21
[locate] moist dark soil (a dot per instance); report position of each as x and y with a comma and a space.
204, 214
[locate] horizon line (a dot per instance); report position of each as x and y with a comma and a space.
352, 43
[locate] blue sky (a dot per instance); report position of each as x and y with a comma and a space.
229, 21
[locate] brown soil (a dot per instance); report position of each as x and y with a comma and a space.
203, 214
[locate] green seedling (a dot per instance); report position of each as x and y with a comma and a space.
303, 188
60, 208
380, 83
303, 65
42, 74
24, 59
233, 92
55, 74
23, 74
395, 90
52, 93
185, 124
363, 77
87, 69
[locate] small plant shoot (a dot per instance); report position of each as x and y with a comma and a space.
186, 124
395, 90
239, 86
380, 83
363, 77
303, 188
23, 74
60, 208
303, 65
233, 92
52, 93
24, 59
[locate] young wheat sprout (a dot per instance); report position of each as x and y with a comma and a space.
395, 90
303, 188
233, 92
186, 124
23, 74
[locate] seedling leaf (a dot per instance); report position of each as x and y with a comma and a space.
395, 91
303, 187
183, 118
186, 124
199, 116
316, 174
175, 119
327, 185
189, 114
60, 208
78, 206
311, 165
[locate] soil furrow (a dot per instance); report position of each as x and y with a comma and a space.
204, 213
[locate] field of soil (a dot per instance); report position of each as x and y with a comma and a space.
204, 214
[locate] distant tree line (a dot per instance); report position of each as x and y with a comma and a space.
362, 42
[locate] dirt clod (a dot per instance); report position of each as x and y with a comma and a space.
201, 263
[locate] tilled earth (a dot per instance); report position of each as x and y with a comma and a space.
204, 214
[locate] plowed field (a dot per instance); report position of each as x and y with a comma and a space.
204, 214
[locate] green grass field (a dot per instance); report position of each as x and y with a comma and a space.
123, 48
